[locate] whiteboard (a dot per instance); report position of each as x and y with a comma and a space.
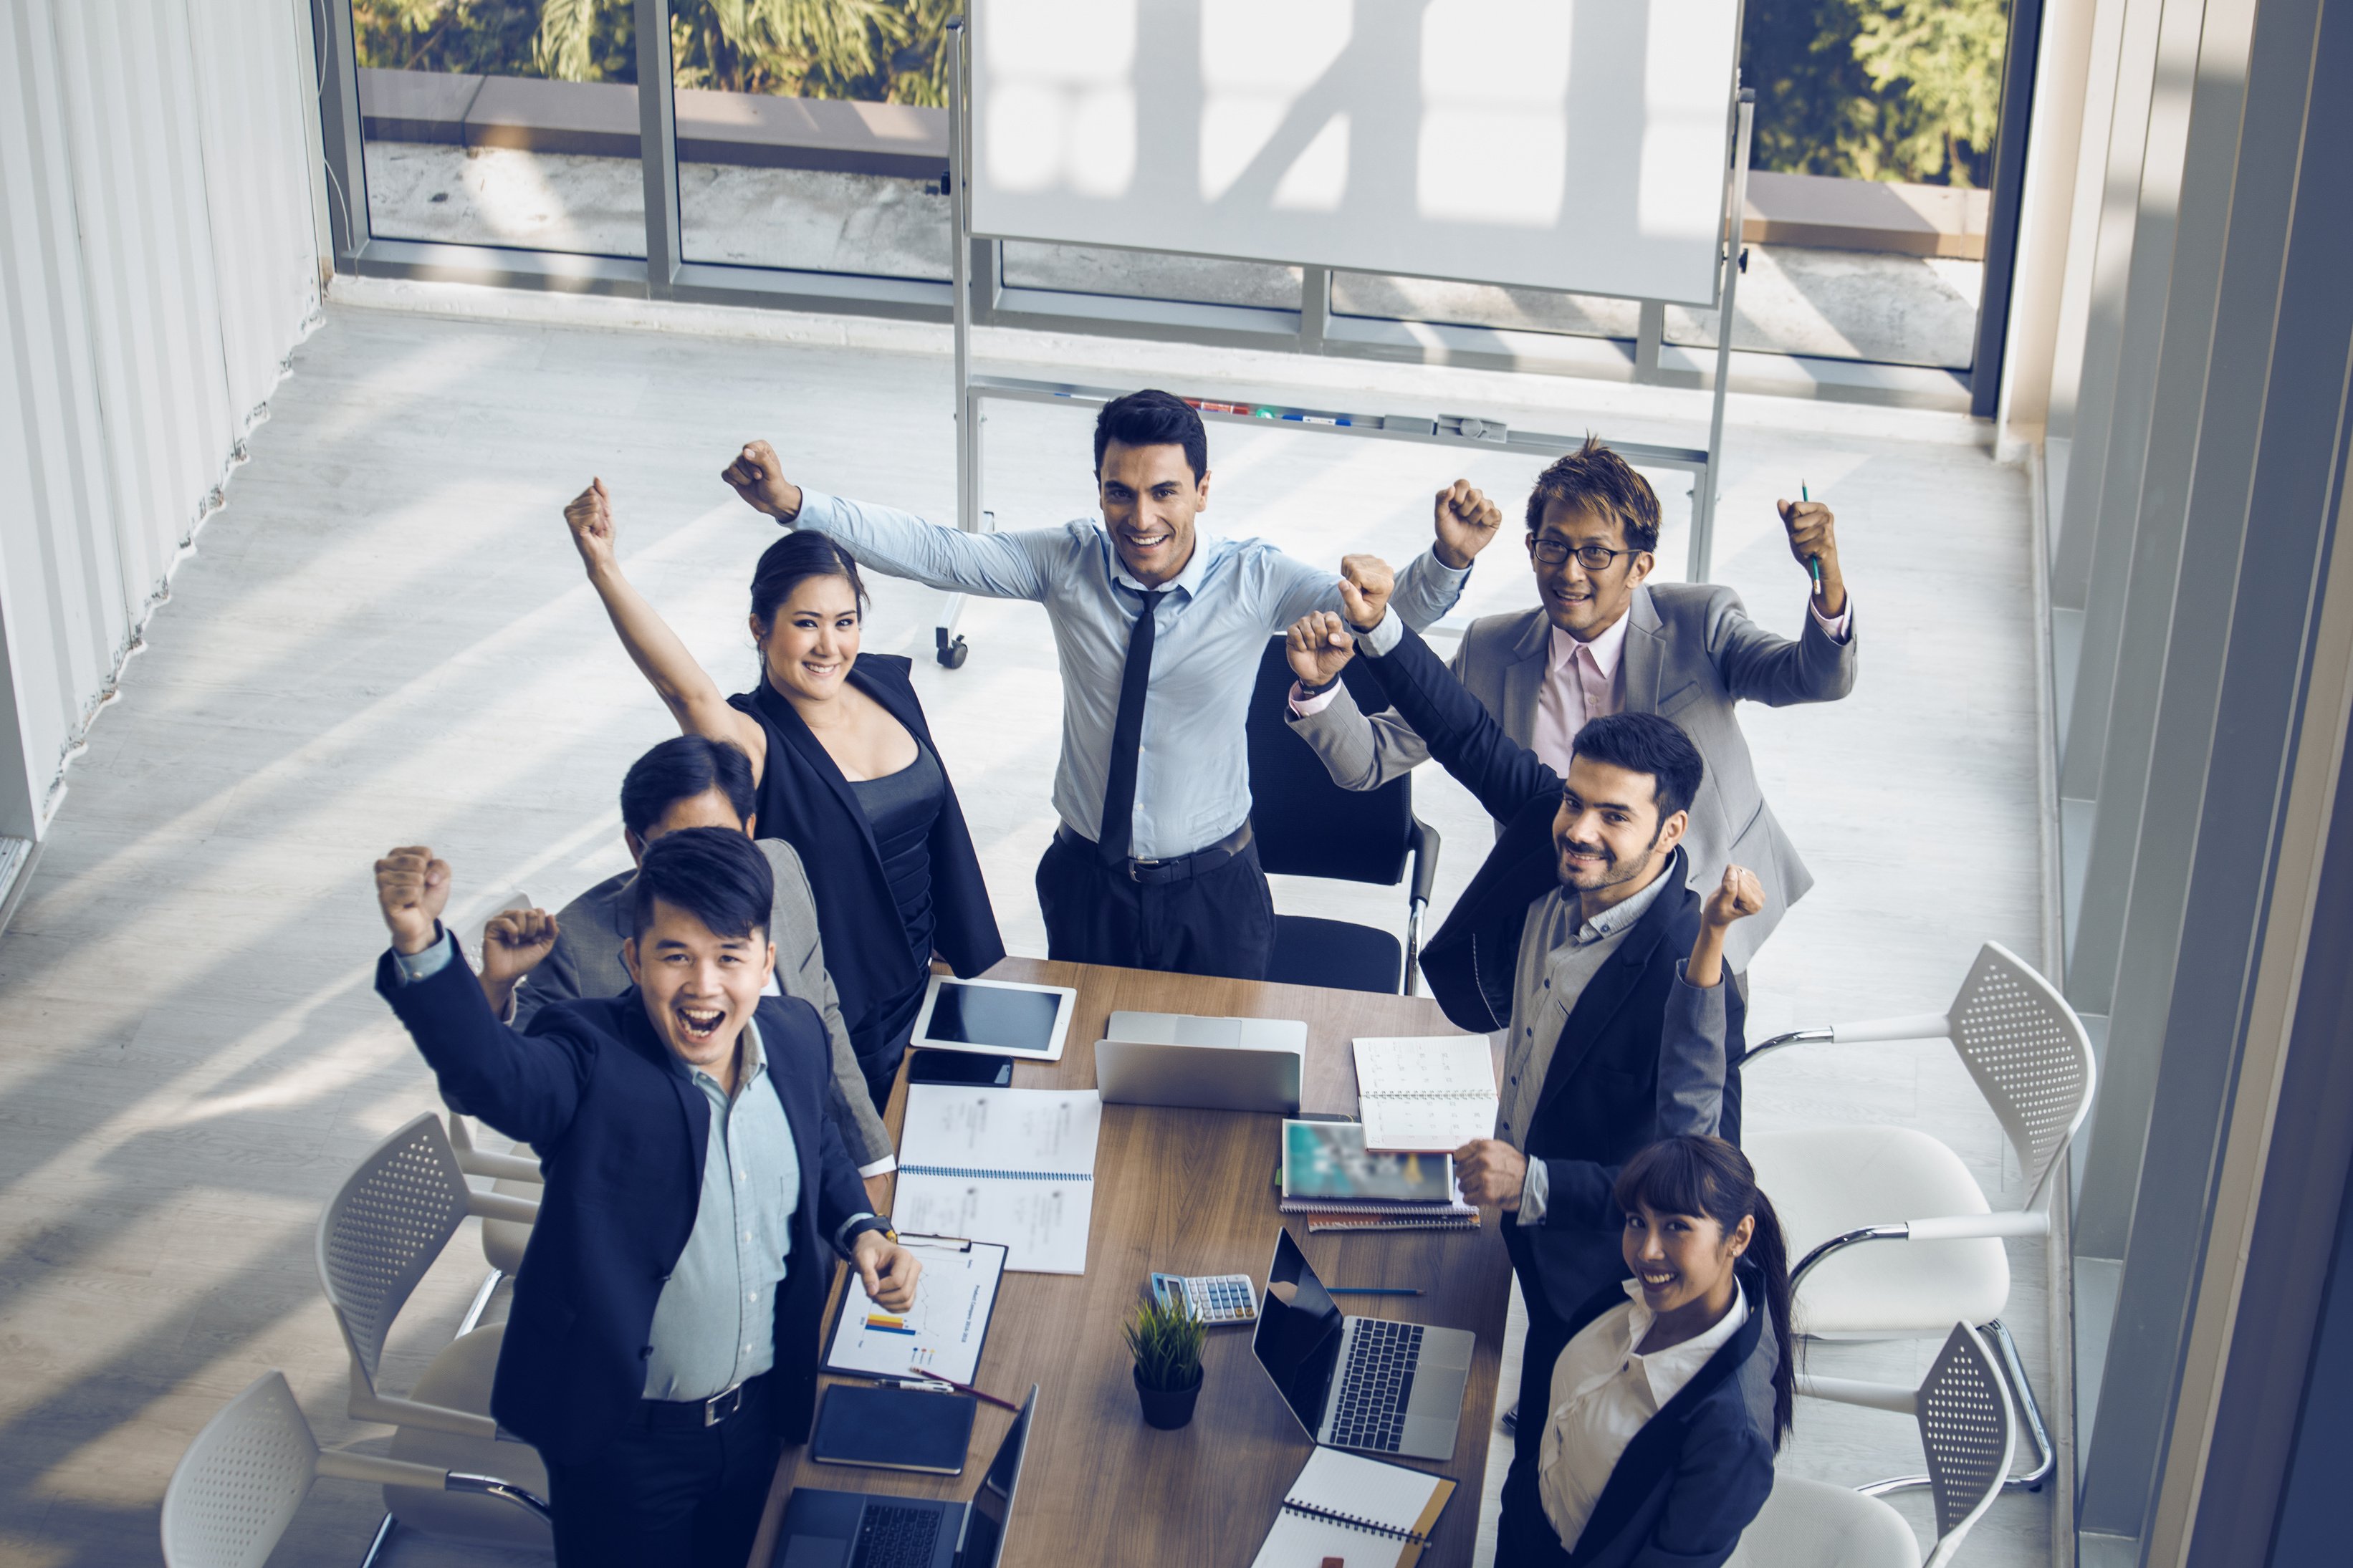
1573, 144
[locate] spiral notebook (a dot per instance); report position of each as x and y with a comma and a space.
1010, 1165
1365, 1513
1431, 1093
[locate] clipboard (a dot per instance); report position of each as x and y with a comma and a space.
943, 1333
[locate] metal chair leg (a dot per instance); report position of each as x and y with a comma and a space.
2021, 1392
376, 1547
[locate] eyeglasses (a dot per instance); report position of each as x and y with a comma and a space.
1592, 557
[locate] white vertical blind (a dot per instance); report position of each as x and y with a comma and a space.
157, 267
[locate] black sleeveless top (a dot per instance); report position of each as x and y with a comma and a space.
900, 807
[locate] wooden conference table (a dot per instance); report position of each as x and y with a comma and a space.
1189, 1192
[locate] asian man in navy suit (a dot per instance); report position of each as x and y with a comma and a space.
663, 1342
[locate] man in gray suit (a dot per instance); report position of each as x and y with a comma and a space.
1604, 641
530, 960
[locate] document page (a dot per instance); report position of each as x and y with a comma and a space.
942, 1333
1433, 1093
1008, 1165
1357, 1509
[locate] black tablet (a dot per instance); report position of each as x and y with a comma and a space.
996, 1017
893, 1429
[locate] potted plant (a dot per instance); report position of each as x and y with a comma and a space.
1166, 1339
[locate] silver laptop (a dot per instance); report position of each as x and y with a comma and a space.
1210, 1064
1372, 1384
871, 1529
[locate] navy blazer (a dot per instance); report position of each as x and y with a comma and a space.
805, 800
1599, 1102
621, 1132
1695, 1476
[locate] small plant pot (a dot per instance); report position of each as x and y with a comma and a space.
1166, 1408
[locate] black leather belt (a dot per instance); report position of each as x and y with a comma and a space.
716, 1411
1176, 868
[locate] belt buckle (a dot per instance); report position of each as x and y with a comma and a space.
1136, 868
722, 1405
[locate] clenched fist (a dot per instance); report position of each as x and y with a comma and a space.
1739, 895
590, 518
759, 478
1813, 536
1492, 1173
514, 942
412, 888
1319, 646
1466, 523
1365, 582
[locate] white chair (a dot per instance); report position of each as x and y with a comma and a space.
511, 1176
1966, 1429
1839, 1188
236, 1487
381, 1232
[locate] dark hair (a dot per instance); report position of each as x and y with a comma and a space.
1695, 1176
794, 560
680, 769
717, 876
1646, 744
1150, 418
1595, 479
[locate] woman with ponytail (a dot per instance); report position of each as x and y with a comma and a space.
1675, 1388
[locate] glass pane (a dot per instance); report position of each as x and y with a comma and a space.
1150, 275
1482, 305
502, 123
813, 136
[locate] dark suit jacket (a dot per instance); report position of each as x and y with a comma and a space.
1695, 1476
1619, 1079
805, 801
621, 1132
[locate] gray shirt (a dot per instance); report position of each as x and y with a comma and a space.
715, 1321
1211, 627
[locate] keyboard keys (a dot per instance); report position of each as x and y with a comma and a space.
896, 1537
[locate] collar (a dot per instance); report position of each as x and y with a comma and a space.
1667, 1371
1608, 646
1622, 914
1195, 568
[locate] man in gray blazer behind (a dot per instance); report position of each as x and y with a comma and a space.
530, 960
1604, 641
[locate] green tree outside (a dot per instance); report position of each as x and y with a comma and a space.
1876, 90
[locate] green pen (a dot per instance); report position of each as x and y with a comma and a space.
1813, 563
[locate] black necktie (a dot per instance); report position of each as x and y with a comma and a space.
1126, 736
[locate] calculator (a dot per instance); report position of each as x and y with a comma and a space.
1215, 1299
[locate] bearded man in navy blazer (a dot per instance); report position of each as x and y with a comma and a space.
663, 1343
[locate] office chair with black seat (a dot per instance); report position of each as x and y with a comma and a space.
1306, 825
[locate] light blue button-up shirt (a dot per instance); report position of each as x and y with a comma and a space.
1192, 785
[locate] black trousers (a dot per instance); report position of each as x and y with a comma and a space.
1220, 922
668, 1497
1524, 1535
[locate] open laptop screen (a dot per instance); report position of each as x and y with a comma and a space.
1298, 1337
992, 1505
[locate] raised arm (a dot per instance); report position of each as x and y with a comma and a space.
692, 698
994, 566
1818, 665
1700, 1016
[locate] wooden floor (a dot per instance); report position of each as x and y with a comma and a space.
384, 640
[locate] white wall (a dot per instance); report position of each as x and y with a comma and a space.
157, 267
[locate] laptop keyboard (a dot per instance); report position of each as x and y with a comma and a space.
896, 1537
1376, 1386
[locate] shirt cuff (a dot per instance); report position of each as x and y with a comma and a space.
1383, 638
841, 1231
1534, 1191
1833, 626
1307, 707
883, 1167
817, 510
425, 966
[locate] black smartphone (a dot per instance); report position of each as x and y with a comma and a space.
968, 1067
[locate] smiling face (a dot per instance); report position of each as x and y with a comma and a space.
1607, 834
1149, 497
1581, 601
699, 987
1678, 1259
812, 640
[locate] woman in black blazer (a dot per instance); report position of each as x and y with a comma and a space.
846, 771
1674, 1389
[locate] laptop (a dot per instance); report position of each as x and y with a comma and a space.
1209, 1064
1369, 1384
871, 1529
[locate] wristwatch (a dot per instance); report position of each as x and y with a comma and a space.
1309, 693
859, 1227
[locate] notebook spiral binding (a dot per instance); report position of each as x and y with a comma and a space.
1350, 1521
969, 1172
1416, 1094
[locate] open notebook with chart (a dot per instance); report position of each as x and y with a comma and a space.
1010, 1165
942, 1333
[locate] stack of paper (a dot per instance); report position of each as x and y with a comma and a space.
1010, 1165
1327, 1171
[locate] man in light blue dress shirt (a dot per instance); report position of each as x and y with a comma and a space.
1152, 866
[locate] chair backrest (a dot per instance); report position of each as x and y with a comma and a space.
382, 1230
1968, 1432
1306, 825
236, 1487
2030, 1055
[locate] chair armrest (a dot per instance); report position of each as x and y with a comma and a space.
1424, 841
393, 1412
1911, 1027
367, 1469
1955, 1227
498, 1205
1889, 1396
500, 1167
